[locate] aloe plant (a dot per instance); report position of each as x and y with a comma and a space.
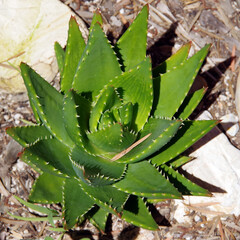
110, 140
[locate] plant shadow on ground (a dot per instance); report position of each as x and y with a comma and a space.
79, 234
209, 79
159, 52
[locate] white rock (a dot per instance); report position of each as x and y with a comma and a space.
217, 163
197, 218
122, 11
230, 118
28, 30
115, 21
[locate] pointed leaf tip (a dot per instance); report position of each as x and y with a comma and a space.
97, 19
74, 49
131, 47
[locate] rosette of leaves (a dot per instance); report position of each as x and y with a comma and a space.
110, 140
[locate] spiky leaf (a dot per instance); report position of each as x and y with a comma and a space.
94, 165
76, 202
60, 56
190, 103
135, 86
48, 103
132, 45
86, 80
107, 197
28, 135
74, 51
179, 57
184, 185
190, 132
97, 19
175, 84
106, 100
50, 156
47, 189
157, 132
112, 139
179, 161
136, 212
99, 219
144, 180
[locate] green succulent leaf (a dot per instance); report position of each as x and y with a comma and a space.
28, 135
190, 103
131, 47
94, 164
76, 111
27, 73
174, 85
144, 180
126, 114
136, 212
76, 202
60, 56
106, 100
74, 50
50, 156
107, 119
112, 139
135, 86
179, 161
97, 19
184, 185
175, 60
86, 80
48, 103
47, 189
107, 197
157, 133
190, 132
99, 219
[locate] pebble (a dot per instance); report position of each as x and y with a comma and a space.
17, 118
197, 218
115, 21
122, 11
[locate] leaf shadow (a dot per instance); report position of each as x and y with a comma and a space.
162, 48
210, 187
129, 233
209, 79
80, 234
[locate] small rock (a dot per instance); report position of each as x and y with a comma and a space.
230, 124
17, 118
197, 218
122, 11
115, 21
